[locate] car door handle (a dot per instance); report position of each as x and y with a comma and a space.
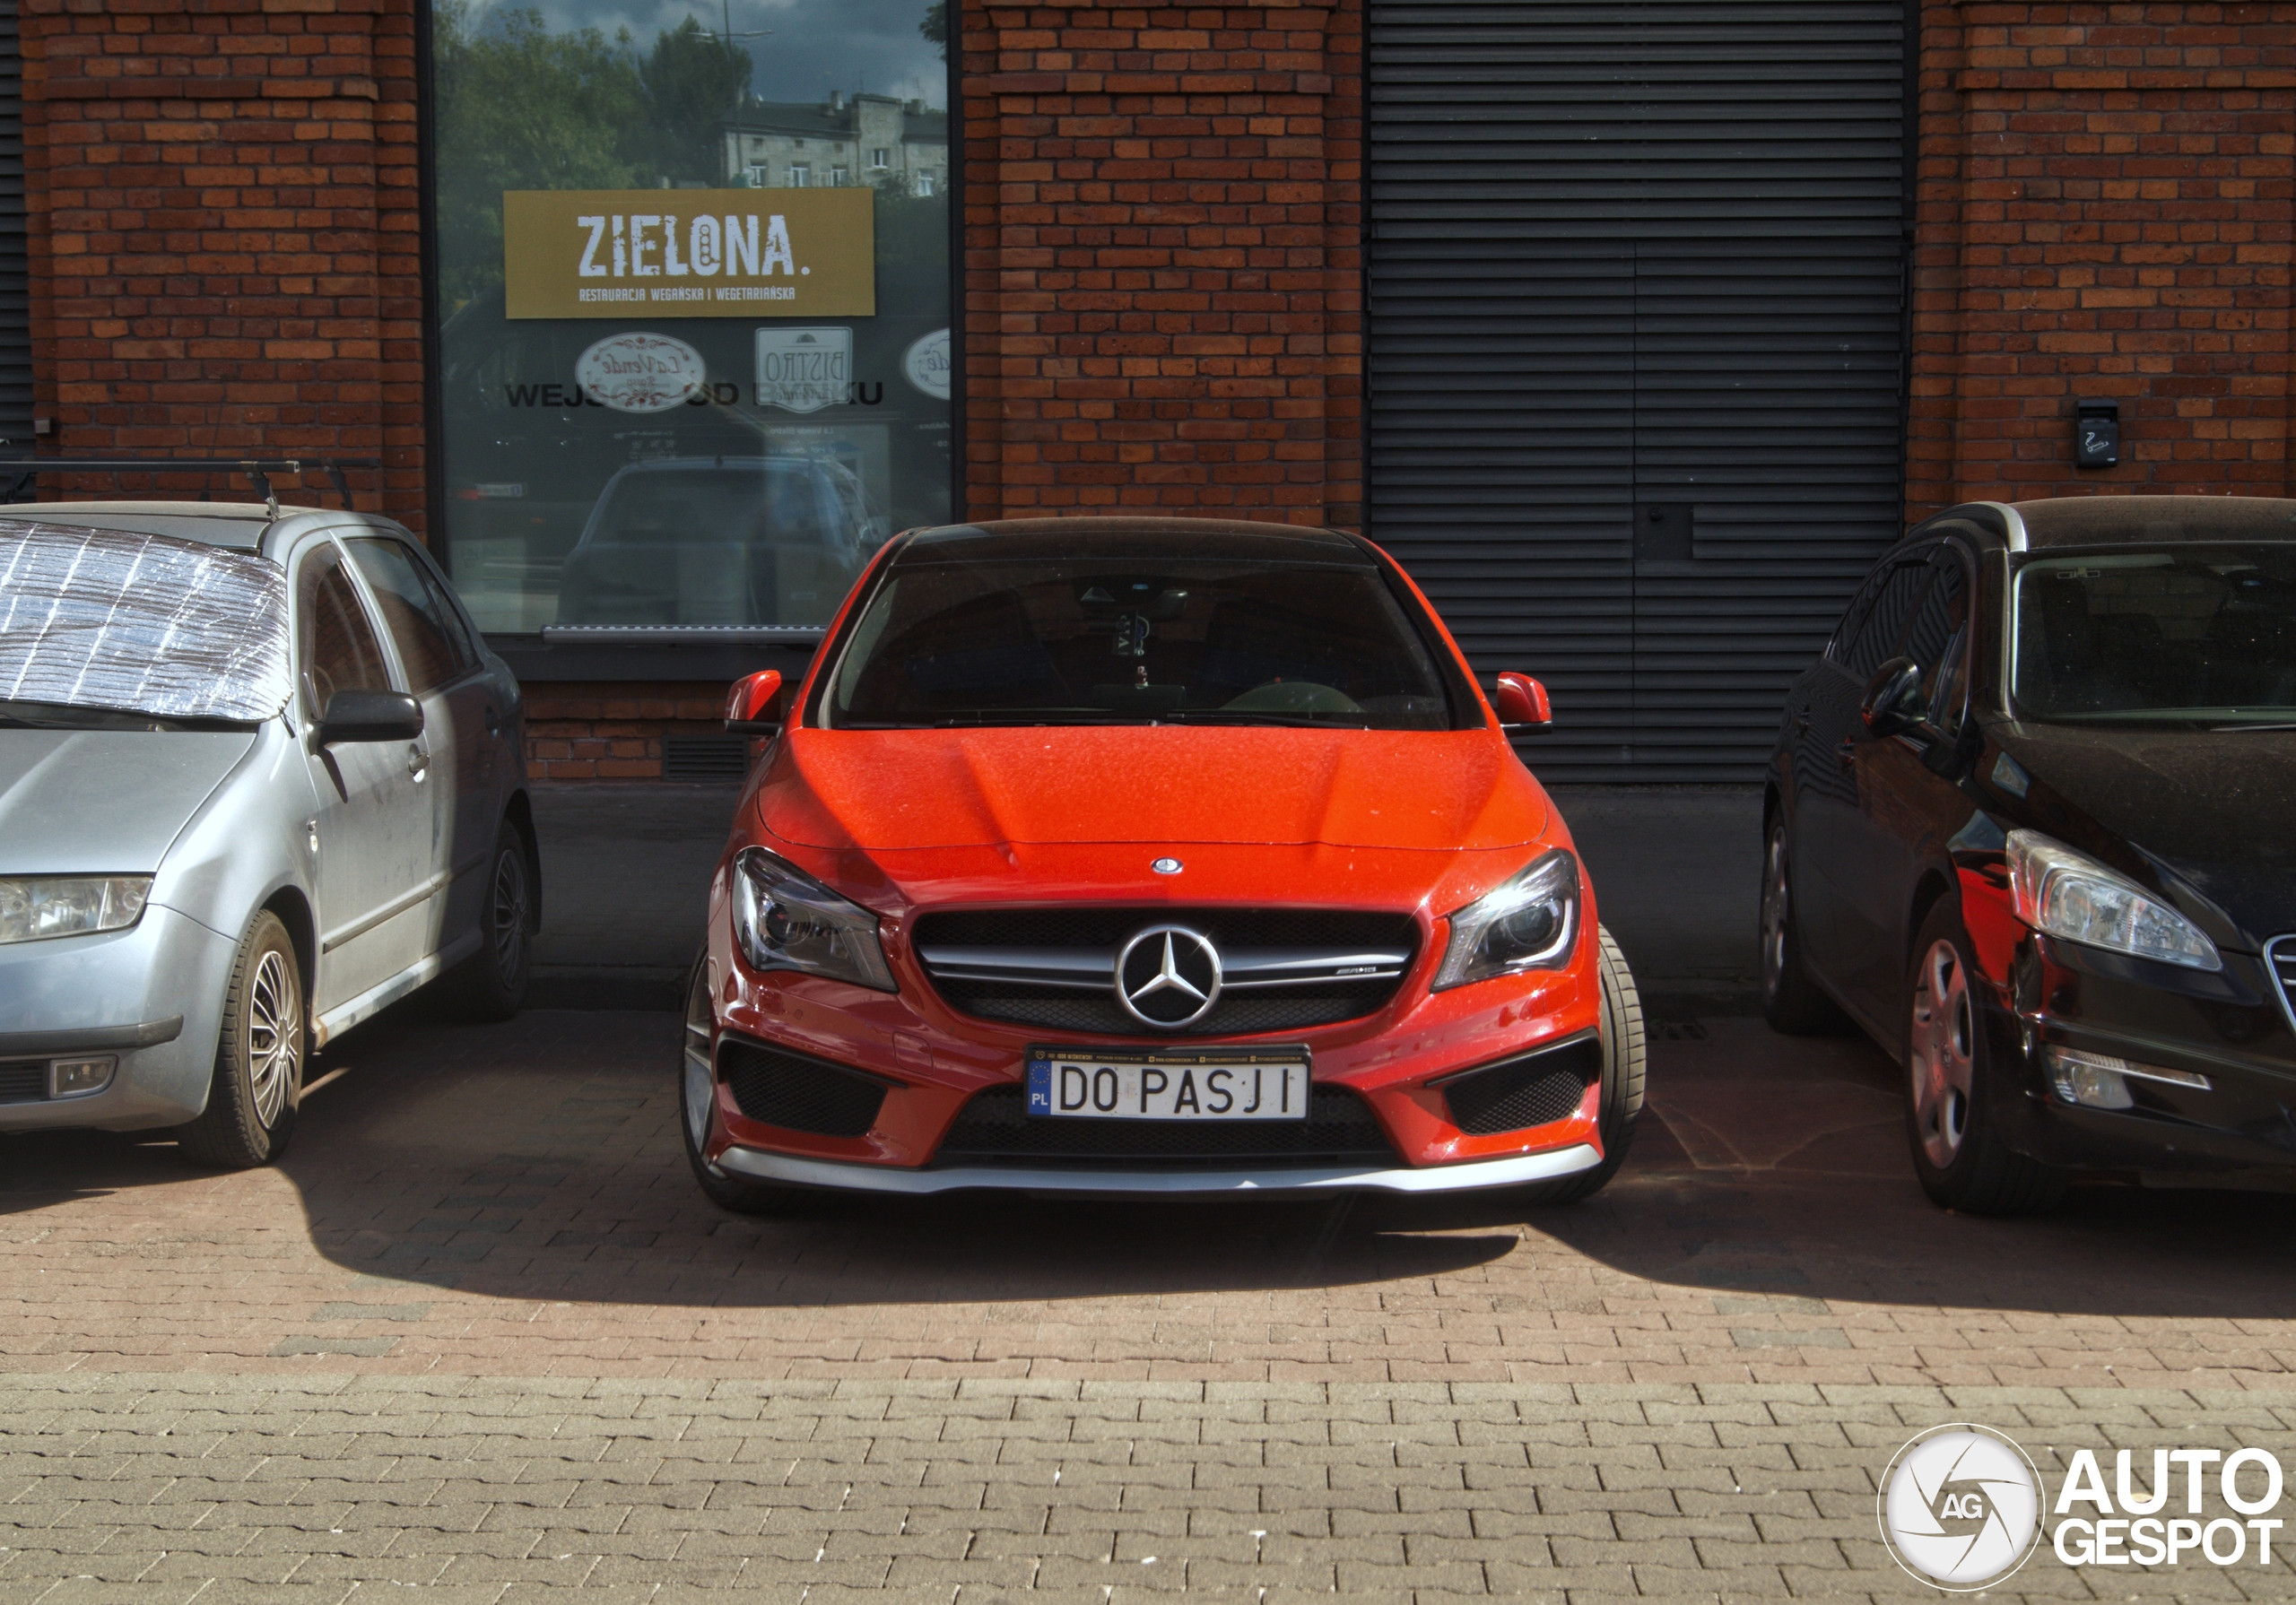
1800, 722
1846, 752
493, 722
417, 762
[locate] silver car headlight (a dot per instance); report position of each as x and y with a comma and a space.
785, 919
1529, 922
2069, 895
33, 907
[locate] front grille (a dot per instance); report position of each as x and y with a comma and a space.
2280, 955
796, 1093
1517, 1094
1284, 969
23, 1081
995, 1127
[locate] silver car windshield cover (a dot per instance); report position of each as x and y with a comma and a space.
128, 623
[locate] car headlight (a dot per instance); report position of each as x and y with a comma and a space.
35, 906
1529, 922
2069, 895
785, 919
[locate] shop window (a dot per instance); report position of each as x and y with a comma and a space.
685, 384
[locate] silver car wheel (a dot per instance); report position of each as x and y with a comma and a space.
510, 913
1939, 1053
275, 1037
1774, 912
700, 1078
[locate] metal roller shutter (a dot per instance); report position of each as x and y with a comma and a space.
15, 274
1636, 359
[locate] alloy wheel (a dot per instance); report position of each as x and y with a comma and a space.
1774, 912
700, 1080
275, 1036
1939, 1052
510, 913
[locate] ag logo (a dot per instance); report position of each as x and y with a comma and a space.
1960, 1507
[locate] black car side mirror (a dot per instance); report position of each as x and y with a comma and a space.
370, 716
1893, 704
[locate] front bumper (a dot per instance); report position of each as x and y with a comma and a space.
151, 995
2227, 1027
789, 1170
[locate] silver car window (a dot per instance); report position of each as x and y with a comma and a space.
413, 611
340, 652
140, 623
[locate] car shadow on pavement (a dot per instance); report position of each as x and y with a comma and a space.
539, 1160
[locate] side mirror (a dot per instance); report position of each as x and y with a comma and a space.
1893, 704
370, 716
749, 705
1520, 703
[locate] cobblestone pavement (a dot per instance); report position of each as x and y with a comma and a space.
480, 1334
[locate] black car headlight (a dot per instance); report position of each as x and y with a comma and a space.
2068, 894
1529, 922
785, 919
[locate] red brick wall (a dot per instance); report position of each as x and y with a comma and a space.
2104, 211
1162, 265
225, 231
613, 732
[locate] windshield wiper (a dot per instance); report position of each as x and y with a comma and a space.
2285, 725
997, 720
1222, 716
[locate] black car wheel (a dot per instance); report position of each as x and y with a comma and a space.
698, 1106
1961, 1161
258, 1082
1625, 1059
1791, 1002
491, 983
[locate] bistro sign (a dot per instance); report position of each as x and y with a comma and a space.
690, 253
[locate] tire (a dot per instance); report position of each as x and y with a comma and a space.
697, 1107
260, 1056
1791, 1002
1625, 1061
1951, 1086
491, 983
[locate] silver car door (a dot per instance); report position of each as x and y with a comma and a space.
460, 718
374, 882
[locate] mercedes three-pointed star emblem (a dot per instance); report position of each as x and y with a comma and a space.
1167, 976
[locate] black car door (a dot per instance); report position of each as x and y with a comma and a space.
1826, 833
1906, 808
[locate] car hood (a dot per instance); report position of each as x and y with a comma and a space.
885, 790
2209, 807
84, 801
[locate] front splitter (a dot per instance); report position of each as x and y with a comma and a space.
1476, 1175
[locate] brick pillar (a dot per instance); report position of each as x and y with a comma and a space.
1162, 271
225, 233
2103, 211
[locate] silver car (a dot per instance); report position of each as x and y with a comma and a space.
259, 778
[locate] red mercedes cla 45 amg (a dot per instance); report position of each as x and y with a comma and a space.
1122, 857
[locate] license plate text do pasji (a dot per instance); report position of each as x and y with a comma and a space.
1179, 1086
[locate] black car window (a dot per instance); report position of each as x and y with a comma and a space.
1939, 640
336, 641
1874, 639
2186, 634
982, 641
414, 615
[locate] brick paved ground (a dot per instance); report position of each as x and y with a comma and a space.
480, 1334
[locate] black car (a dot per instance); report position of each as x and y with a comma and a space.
2031, 823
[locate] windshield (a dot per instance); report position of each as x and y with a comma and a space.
2188, 635
1131, 640
124, 622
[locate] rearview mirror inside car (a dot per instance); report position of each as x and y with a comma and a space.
1892, 704
1520, 703
370, 716
749, 705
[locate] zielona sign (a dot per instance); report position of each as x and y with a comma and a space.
690, 253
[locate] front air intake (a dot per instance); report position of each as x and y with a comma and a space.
1536, 1088
797, 1093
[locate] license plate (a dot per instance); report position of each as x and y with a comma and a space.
1213, 1084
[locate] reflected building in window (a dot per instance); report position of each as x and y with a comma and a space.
872, 139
